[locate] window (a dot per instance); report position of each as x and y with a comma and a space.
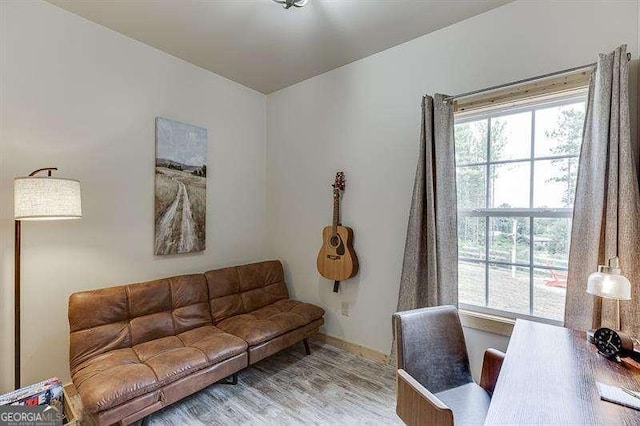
516, 175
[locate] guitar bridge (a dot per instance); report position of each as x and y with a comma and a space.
333, 257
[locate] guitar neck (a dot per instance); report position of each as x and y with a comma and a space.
336, 212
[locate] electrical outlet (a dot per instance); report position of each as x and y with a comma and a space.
345, 309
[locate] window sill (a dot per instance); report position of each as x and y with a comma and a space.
485, 322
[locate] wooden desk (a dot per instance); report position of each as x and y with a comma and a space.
548, 377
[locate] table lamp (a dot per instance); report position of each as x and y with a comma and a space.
39, 198
609, 283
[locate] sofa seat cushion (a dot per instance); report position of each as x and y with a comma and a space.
217, 345
113, 378
118, 376
271, 321
170, 359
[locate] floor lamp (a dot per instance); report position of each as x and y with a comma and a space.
39, 198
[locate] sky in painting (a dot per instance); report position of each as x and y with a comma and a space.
181, 142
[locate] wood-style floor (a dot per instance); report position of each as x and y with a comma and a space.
328, 387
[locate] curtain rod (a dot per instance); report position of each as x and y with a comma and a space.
514, 83
526, 80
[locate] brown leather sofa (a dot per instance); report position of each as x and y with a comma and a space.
137, 348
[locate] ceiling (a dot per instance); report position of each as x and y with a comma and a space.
261, 45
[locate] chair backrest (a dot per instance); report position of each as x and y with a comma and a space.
242, 289
431, 347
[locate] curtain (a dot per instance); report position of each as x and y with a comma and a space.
601, 227
430, 266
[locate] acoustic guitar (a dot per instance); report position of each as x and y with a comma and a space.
337, 259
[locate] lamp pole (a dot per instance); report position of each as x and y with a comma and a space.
16, 289
16, 303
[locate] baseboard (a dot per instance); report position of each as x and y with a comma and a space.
353, 348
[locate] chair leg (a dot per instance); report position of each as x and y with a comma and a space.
307, 351
233, 381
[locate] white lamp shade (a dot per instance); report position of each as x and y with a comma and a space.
46, 198
611, 286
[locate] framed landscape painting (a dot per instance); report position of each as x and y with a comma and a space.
180, 187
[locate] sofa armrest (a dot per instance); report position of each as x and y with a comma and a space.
491, 366
417, 406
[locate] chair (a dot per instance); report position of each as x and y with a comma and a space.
435, 386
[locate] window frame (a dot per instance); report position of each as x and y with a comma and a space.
529, 214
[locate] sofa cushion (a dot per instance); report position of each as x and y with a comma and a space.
170, 359
98, 320
113, 318
214, 343
242, 289
190, 302
271, 321
115, 377
112, 378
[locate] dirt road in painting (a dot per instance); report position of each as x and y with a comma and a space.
176, 230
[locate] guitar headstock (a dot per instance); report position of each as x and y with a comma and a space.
338, 184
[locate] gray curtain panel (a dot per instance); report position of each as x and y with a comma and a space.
607, 166
430, 266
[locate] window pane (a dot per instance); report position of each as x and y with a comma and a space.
555, 182
511, 137
551, 238
509, 239
471, 279
549, 291
471, 142
510, 185
559, 130
471, 187
471, 237
509, 288
512, 179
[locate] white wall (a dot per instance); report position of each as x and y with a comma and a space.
363, 118
83, 98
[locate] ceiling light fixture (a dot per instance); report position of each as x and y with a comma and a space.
288, 3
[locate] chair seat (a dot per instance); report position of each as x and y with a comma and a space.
469, 403
271, 321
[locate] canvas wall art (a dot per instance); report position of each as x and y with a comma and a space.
180, 187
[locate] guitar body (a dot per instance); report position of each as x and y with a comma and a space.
337, 259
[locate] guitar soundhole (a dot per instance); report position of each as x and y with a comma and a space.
336, 243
